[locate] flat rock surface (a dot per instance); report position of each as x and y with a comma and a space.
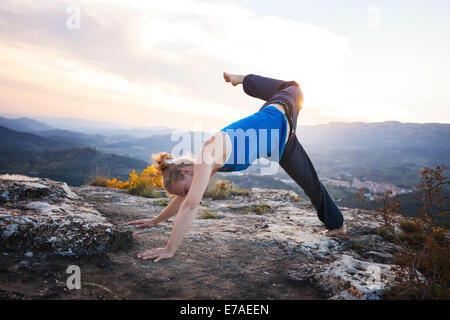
245, 253
45, 216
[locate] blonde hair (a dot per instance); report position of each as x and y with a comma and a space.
170, 168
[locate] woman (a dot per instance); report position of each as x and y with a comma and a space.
268, 133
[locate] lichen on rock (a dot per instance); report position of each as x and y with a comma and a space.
46, 216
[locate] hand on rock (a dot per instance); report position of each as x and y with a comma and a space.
158, 253
142, 223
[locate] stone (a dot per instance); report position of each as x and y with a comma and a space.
46, 216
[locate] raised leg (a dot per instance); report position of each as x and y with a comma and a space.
262, 87
258, 86
235, 79
286, 93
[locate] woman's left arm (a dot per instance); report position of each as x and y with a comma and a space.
203, 170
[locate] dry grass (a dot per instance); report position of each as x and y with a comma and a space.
223, 189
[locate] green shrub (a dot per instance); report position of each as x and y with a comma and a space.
98, 181
223, 189
412, 239
296, 198
423, 245
385, 233
143, 189
239, 192
260, 208
162, 202
209, 215
309, 206
356, 245
409, 226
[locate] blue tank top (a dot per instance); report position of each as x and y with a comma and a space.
263, 134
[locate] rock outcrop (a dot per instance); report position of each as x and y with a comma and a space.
46, 217
262, 246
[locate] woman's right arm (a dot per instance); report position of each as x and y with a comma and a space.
169, 211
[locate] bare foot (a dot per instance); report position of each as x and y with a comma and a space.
342, 231
235, 79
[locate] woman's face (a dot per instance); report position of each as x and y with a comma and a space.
181, 188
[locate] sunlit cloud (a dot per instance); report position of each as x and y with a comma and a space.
72, 79
366, 111
144, 62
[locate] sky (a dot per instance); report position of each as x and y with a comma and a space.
160, 63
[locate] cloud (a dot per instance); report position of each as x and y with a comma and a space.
168, 53
363, 110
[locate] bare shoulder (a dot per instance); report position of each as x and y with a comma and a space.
216, 149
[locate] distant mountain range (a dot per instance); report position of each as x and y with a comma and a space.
23, 124
74, 166
138, 143
11, 139
59, 154
388, 134
101, 127
90, 127
375, 154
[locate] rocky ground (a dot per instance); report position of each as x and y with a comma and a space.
261, 246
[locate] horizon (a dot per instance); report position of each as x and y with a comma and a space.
146, 63
125, 127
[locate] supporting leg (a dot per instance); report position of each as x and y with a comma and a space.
299, 167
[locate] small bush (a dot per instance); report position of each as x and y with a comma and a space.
385, 233
309, 206
355, 245
219, 191
114, 183
423, 243
223, 189
162, 202
260, 208
144, 184
239, 192
412, 239
98, 181
409, 226
296, 198
143, 189
209, 215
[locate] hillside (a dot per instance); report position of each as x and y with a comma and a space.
12, 139
244, 253
388, 134
23, 124
74, 166
81, 138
